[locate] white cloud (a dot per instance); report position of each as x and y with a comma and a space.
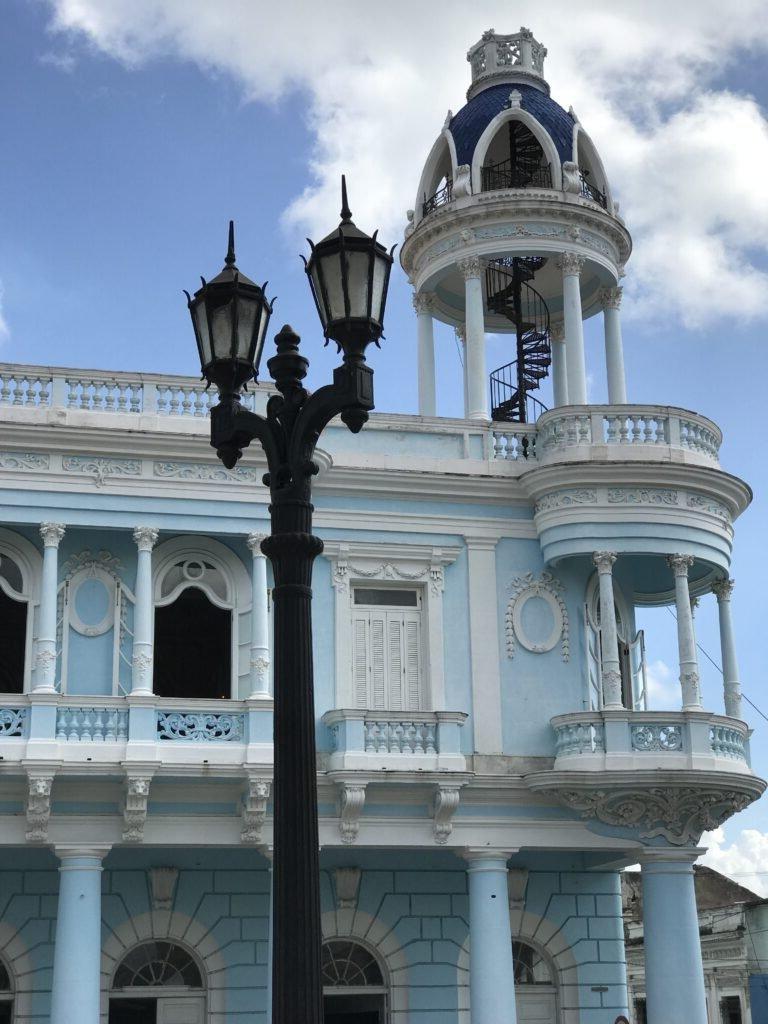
684, 154
745, 860
65, 62
663, 686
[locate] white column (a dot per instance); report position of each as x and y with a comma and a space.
609, 666
491, 969
44, 679
559, 364
141, 680
614, 351
731, 685
674, 976
259, 620
423, 304
461, 336
75, 989
484, 645
571, 265
686, 639
477, 373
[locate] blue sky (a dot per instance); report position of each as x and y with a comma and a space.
135, 130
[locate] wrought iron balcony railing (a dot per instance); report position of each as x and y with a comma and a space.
440, 198
506, 175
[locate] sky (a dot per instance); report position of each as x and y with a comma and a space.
133, 130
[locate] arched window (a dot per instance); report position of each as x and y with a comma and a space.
354, 987
535, 988
515, 159
202, 621
6, 995
631, 649
591, 174
20, 567
157, 982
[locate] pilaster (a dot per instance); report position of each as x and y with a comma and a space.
142, 659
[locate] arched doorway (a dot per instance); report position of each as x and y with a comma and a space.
13, 626
354, 987
535, 989
157, 983
6, 995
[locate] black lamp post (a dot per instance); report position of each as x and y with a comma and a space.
349, 274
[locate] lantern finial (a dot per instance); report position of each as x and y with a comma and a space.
346, 213
229, 259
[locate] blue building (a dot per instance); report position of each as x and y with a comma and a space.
487, 761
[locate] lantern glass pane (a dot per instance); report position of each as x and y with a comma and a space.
201, 325
358, 263
380, 267
221, 328
319, 292
333, 283
248, 310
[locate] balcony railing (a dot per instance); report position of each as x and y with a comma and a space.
440, 198
601, 740
421, 741
590, 191
507, 175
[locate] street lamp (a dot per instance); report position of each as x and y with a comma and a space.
349, 274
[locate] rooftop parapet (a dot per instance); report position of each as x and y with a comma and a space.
512, 58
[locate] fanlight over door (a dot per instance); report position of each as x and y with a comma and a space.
535, 990
354, 989
157, 983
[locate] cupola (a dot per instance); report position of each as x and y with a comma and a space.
496, 59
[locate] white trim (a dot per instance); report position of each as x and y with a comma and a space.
536, 128
22, 973
593, 158
443, 141
417, 566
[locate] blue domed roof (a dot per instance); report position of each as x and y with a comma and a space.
472, 120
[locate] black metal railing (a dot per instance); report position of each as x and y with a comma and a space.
590, 191
505, 174
506, 398
440, 198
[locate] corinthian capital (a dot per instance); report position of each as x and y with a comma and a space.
470, 267
461, 333
722, 589
423, 302
557, 332
145, 537
52, 534
604, 560
610, 298
570, 263
680, 564
253, 540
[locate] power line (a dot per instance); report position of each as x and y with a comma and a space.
719, 668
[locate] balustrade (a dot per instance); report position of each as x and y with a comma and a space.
91, 725
200, 727
579, 738
18, 388
12, 721
400, 737
513, 443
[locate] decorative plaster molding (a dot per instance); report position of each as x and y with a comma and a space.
470, 267
347, 887
460, 330
145, 537
432, 572
253, 540
642, 496
462, 182
557, 332
571, 177
560, 499
517, 883
85, 559
423, 302
52, 534
205, 471
38, 811
680, 564
704, 504
604, 561
570, 263
722, 589
549, 589
679, 814
610, 298
30, 461
100, 468
445, 804
255, 808
162, 883
135, 810
351, 804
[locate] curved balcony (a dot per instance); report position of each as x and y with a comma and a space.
638, 740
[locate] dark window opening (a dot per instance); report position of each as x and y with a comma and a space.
641, 1017
353, 1009
515, 159
13, 640
730, 1010
133, 1011
193, 651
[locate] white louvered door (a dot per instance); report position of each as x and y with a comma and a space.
386, 658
